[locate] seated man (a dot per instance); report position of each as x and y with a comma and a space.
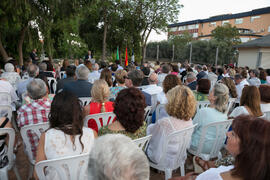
191, 81
134, 79
121, 159
94, 75
35, 112
43, 70
70, 72
81, 87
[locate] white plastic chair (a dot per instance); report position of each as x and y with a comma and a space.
202, 104
267, 115
147, 112
101, 119
142, 142
36, 129
231, 103
5, 98
10, 154
67, 168
85, 100
62, 74
182, 139
158, 109
52, 83
218, 142
6, 109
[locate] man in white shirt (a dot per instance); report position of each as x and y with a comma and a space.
94, 75
5, 86
152, 88
240, 84
165, 70
254, 80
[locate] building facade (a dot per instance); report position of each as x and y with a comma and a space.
251, 25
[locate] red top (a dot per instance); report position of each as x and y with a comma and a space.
95, 107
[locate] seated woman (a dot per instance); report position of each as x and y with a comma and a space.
129, 108
231, 85
106, 74
4, 123
66, 135
181, 107
218, 98
249, 103
203, 87
265, 98
120, 76
249, 143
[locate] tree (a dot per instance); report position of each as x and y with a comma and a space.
227, 34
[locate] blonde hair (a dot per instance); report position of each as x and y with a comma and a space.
120, 76
181, 103
221, 92
100, 93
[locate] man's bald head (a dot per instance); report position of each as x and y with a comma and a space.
153, 78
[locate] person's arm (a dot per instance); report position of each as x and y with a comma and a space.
40, 152
95, 133
86, 110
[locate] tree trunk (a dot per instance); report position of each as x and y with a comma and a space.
104, 44
3, 51
20, 44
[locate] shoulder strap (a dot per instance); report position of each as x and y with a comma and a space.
4, 123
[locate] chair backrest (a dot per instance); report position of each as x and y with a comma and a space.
6, 109
230, 104
202, 104
158, 109
62, 74
5, 98
67, 168
147, 111
36, 129
96, 121
222, 128
52, 83
181, 139
85, 100
54, 74
11, 139
267, 115
142, 142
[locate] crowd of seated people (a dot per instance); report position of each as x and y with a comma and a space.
126, 92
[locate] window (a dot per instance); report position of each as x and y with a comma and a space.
268, 28
212, 24
225, 22
197, 26
239, 21
182, 28
254, 17
193, 26
195, 35
173, 29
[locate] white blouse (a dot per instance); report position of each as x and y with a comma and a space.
240, 110
214, 173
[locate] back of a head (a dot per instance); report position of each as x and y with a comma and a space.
191, 75
181, 103
204, 86
136, 77
221, 92
255, 72
37, 89
32, 70
120, 160
114, 67
146, 71
153, 78
251, 98
82, 72
120, 76
9, 67
106, 74
95, 67
165, 68
199, 67
68, 119
254, 148
230, 84
70, 71
129, 108
100, 92
43, 66
265, 93
170, 82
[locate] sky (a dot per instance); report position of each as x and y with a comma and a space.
201, 9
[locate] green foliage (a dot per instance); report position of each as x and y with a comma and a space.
227, 34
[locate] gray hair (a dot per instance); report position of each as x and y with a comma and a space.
43, 66
121, 159
95, 66
37, 89
191, 75
255, 72
9, 67
221, 92
82, 72
32, 70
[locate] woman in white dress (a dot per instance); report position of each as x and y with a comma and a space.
181, 107
249, 103
66, 135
